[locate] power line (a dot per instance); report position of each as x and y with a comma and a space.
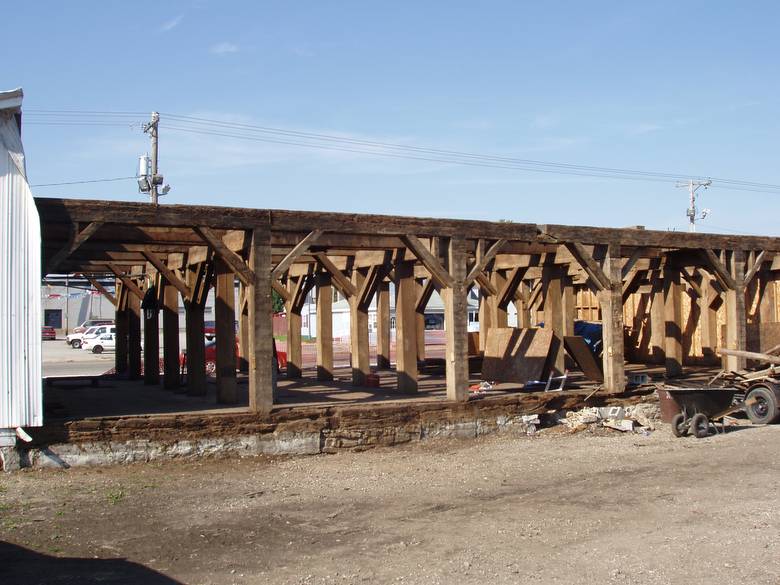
79, 112
83, 182
486, 164
272, 135
331, 137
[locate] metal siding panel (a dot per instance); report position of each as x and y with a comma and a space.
20, 301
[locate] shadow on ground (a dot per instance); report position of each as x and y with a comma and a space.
22, 566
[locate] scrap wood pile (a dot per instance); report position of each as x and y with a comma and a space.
747, 377
760, 387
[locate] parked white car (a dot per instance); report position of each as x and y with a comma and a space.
105, 342
75, 340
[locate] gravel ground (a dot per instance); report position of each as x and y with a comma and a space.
554, 508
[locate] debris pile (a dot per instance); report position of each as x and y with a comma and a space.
640, 418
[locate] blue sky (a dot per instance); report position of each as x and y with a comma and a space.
680, 87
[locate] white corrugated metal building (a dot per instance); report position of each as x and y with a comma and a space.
20, 277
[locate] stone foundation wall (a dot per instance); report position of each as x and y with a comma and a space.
294, 431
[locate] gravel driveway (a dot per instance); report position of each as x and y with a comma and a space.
554, 508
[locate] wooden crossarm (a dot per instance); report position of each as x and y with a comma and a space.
589, 265
102, 290
632, 260
481, 263
369, 286
484, 283
428, 260
279, 288
233, 260
509, 290
760, 259
126, 281
168, 274
300, 248
425, 296
632, 282
719, 269
77, 238
339, 280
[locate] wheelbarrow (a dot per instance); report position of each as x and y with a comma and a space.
701, 406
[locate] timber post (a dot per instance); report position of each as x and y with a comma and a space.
225, 317
612, 323
324, 300
170, 336
456, 322
406, 338
261, 358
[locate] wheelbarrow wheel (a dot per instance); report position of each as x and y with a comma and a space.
700, 426
679, 428
764, 407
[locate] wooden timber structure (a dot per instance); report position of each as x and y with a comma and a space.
162, 253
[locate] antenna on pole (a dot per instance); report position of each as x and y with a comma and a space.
694, 186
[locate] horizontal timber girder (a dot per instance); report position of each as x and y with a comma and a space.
121, 233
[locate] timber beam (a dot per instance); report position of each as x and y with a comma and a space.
589, 265
301, 248
126, 281
233, 260
101, 289
438, 273
76, 240
719, 270
168, 274
340, 281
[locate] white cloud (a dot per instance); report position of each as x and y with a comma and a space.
223, 48
544, 121
171, 24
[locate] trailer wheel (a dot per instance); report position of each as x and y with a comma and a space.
766, 404
700, 426
679, 428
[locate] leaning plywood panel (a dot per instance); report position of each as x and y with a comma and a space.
515, 355
20, 274
579, 350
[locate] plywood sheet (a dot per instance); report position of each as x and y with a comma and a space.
580, 352
515, 355
762, 336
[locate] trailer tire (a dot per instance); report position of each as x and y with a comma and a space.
700, 426
679, 428
766, 409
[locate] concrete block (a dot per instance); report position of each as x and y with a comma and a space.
10, 459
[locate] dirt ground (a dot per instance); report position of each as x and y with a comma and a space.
553, 508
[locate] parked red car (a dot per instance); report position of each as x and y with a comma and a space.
211, 356
210, 329
48, 333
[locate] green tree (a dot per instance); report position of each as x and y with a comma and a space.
278, 301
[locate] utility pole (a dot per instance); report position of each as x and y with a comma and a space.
150, 179
153, 129
694, 186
